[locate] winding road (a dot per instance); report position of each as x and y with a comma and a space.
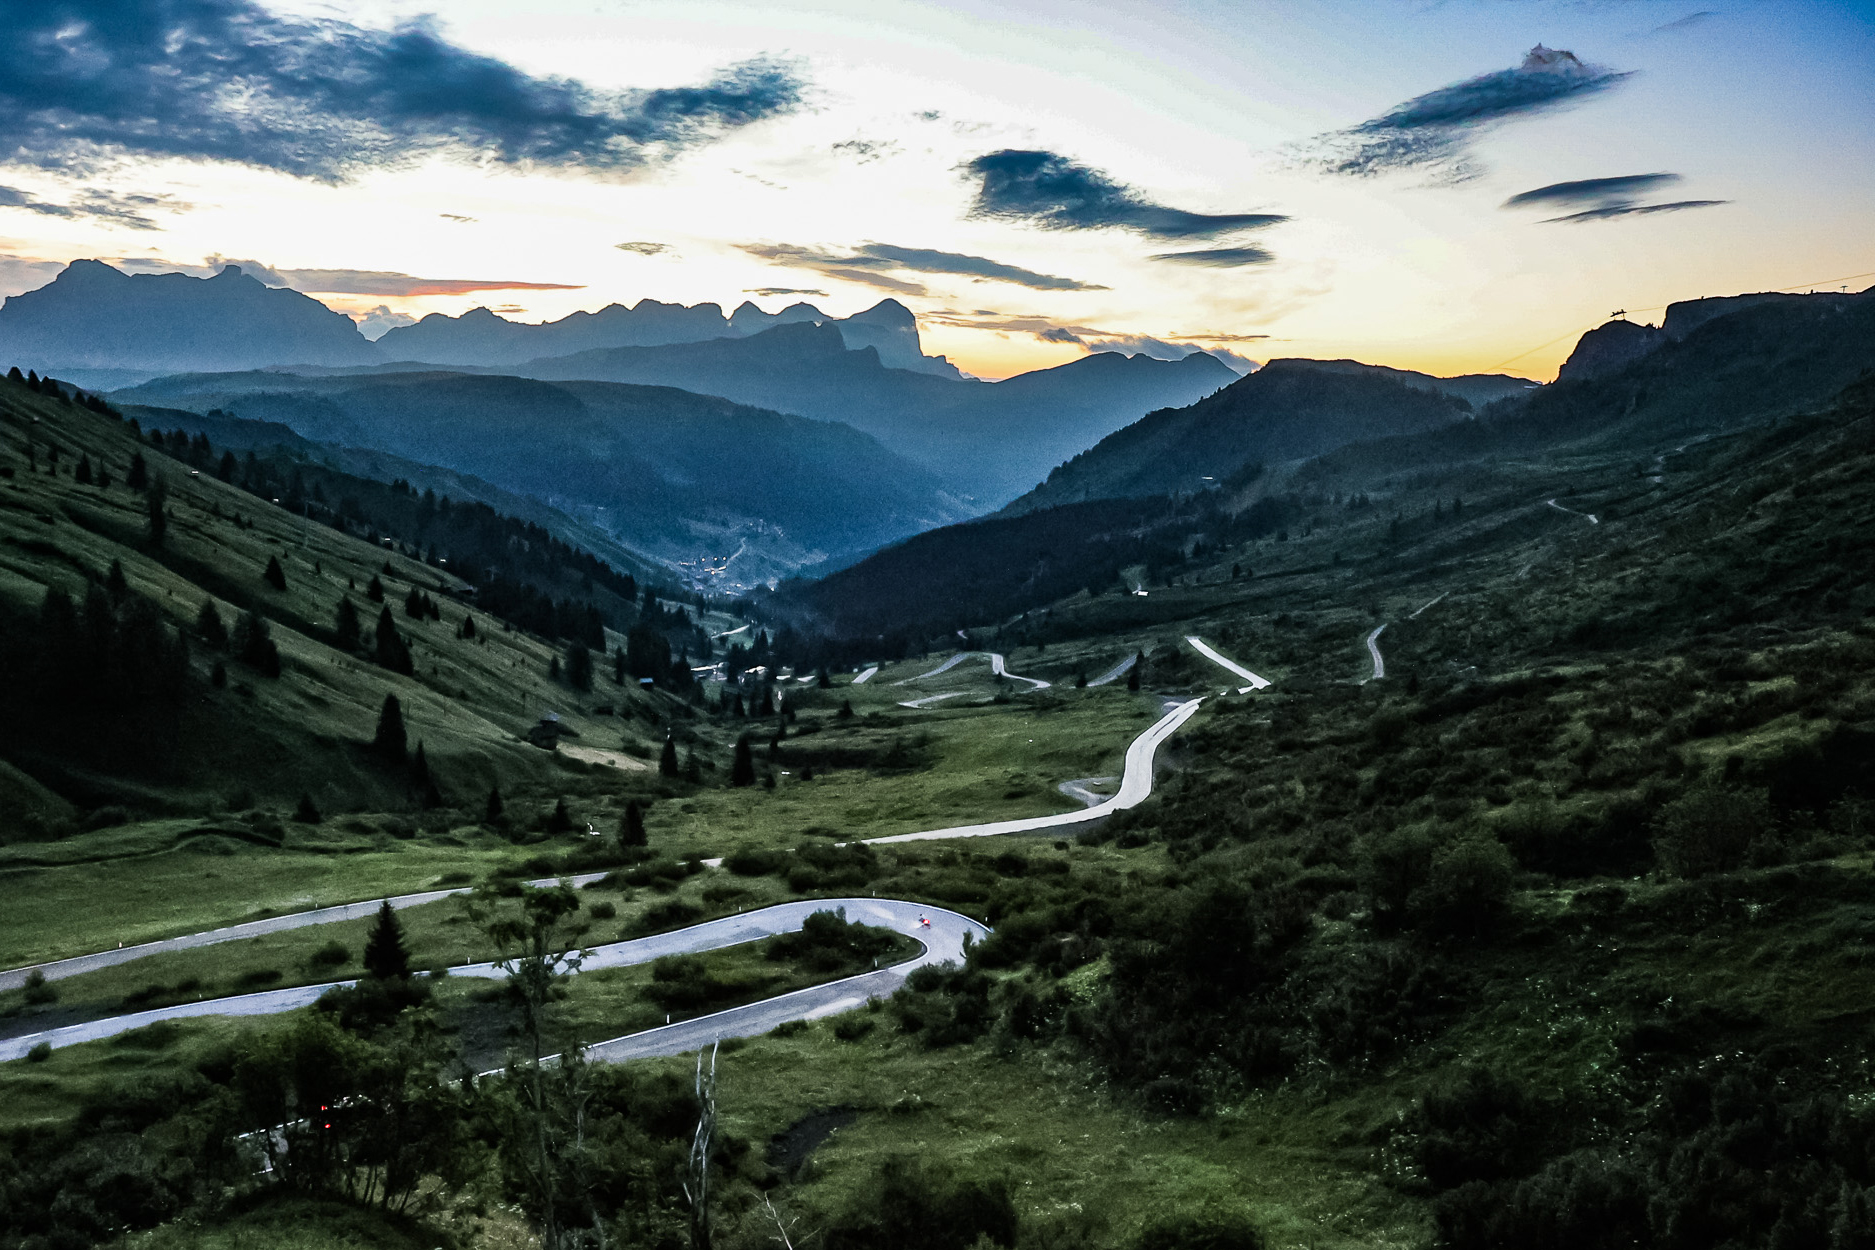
866, 676
943, 941
1373, 649
997, 668
1117, 671
1204, 649
1593, 519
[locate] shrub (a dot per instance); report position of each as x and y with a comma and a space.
850, 1028
331, 955
1201, 1232
39, 1053
914, 1205
37, 991
602, 911
1711, 828
1468, 886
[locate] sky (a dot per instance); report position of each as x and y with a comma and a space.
1445, 185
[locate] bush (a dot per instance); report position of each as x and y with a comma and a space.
1201, 1232
331, 955
913, 1206
39, 1053
1467, 890
37, 991
1711, 828
850, 1028
826, 943
602, 911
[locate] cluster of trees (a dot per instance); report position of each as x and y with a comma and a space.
104, 674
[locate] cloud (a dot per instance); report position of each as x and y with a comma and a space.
381, 282
377, 322
1623, 209
85, 82
1685, 23
1212, 336
897, 286
1219, 257
19, 274
1590, 190
1094, 340
1433, 132
875, 259
783, 290
457, 218
384, 282
131, 211
643, 248
1052, 192
1610, 198
866, 151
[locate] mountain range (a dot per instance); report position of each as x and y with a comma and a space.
670, 474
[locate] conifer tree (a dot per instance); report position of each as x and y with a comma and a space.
618, 667
846, 710
579, 666
742, 771
390, 741
667, 759
307, 813
157, 502
374, 590
467, 629
553, 668
139, 475
1132, 674
226, 469
393, 651
275, 576
738, 711
83, 474
348, 628
116, 583
209, 629
254, 646
386, 957
492, 811
561, 820
631, 826
413, 605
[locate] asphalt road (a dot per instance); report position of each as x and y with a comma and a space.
1117, 671
943, 942
1135, 788
1081, 789
59, 969
866, 676
1373, 649
997, 668
1593, 519
1203, 648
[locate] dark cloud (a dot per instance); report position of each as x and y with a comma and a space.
1094, 340
131, 211
1623, 209
1219, 257
782, 290
1685, 23
458, 218
1433, 131
898, 286
85, 81
877, 258
866, 151
1050, 191
1591, 190
26, 273
643, 248
1610, 198
1212, 336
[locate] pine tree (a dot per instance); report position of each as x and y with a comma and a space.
631, 826
618, 667
83, 475
742, 771
139, 475
579, 666
348, 628
491, 813
468, 628
393, 652
275, 576
116, 583
157, 500
413, 605
306, 813
226, 469
386, 958
254, 646
561, 820
390, 741
667, 760
846, 710
1132, 674
822, 678
209, 629
374, 590
553, 668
